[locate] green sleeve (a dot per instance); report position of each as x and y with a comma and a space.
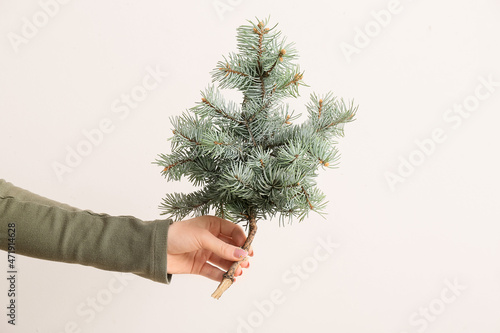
47, 229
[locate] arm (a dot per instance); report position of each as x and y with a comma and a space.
47, 229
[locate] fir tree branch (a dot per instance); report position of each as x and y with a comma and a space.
186, 137
251, 134
248, 186
262, 87
231, 145
264, 105
336, 122
261, 31
278, 58
228, 70
168, 167
180, 205
295, 80
307, 197
221, 112
253, 160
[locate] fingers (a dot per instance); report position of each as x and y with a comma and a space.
211, 272
233, 242
215, 273
229, 229
226, 264
221, 248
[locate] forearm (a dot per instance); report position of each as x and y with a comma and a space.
50, 230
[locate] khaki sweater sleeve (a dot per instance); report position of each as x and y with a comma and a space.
47, 229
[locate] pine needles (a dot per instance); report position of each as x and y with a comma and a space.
251, 159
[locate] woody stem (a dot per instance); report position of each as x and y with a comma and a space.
228, 277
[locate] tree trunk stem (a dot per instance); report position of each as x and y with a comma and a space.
228, 278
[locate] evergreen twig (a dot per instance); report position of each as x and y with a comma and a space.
252, 160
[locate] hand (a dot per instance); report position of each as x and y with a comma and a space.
194, 246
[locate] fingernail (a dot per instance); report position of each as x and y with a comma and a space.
240, 253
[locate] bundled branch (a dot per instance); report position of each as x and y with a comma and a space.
250, 160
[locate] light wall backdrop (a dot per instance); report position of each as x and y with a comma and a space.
411, 239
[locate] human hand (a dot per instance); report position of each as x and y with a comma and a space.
194, 246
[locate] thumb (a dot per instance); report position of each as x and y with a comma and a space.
221, 248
